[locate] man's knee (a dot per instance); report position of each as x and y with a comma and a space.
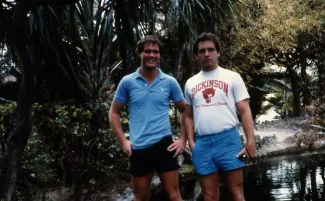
141, 194
175, 196
237, 193
142, 197
210, 196
238, 197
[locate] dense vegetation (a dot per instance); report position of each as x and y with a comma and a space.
61, 60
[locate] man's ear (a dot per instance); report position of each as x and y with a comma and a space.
218, 56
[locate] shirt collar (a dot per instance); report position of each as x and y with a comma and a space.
161, 75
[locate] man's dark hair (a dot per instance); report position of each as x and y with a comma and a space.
206, 37
148, 39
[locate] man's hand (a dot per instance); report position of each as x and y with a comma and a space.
178, 146
127, 147
249, 151
250, 148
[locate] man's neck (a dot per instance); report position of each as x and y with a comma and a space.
210, 69
149, 74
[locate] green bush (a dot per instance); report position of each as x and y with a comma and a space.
70, 144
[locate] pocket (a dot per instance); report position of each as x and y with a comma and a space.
232, 138
193, 147
193, 153
196, 156
131, 158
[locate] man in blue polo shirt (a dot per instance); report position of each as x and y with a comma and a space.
148, 93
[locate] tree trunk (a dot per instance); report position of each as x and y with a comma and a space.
321, 77
18, 140
304, 77
178, 62
189, 68
285, 101
295, 92
176, 68
121, 19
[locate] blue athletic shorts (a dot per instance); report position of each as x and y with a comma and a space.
215, 152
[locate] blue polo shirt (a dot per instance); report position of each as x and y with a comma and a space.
148, 106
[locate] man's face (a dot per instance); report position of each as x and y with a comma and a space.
208, 55
150, 55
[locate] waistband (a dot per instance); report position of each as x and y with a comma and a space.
222, 132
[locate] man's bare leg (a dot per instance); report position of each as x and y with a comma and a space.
169, 181
210, 186
235, 184
141, 187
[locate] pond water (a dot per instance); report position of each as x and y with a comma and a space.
298, 178
286, 178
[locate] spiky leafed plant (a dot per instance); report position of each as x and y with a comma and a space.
44, 48
76, 48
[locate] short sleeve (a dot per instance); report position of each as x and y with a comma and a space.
175, 91
240, 90
188, 99
121, 93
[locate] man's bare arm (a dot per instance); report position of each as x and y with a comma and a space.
189, 123
179, 145
248, 125
115, 122
181, 108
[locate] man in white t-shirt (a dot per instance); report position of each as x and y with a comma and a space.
213, 98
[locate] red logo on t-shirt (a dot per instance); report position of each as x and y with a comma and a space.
210, 86
208, 93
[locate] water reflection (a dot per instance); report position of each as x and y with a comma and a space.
298, 178
286, 178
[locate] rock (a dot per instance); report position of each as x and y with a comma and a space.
290, 140
269, 140
187, 154
258, 142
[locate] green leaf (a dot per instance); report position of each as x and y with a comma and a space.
61, 120
92, 181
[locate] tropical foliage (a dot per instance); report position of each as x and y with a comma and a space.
68, 56
283, 34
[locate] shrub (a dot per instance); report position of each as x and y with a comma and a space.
70, 143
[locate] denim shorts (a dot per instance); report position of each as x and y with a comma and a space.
215, 152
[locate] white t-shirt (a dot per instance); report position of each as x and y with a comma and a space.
214, 95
